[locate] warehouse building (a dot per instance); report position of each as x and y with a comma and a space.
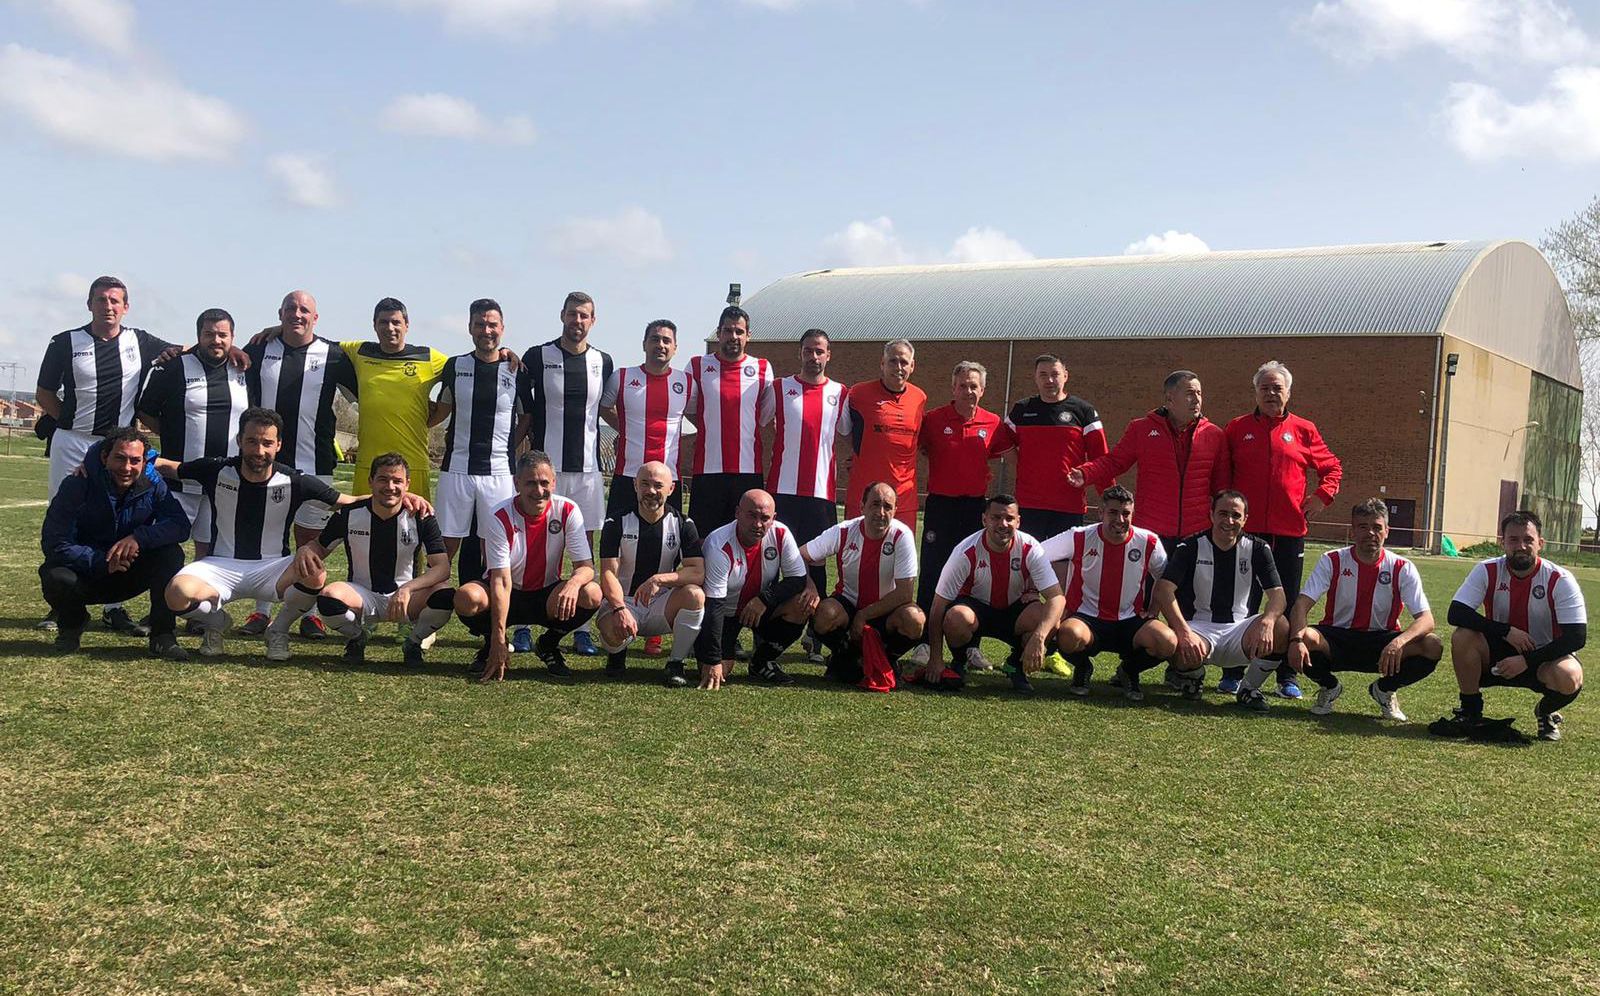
1444, 374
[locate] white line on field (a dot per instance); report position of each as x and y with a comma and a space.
41, 503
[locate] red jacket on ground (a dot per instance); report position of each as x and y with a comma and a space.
1178, 472
1270, 457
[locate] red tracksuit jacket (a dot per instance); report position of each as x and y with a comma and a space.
1270, 457
1178, 472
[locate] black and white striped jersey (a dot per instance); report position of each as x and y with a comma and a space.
298, 382
382, 551
97, 379
1214, 585
197, 406
484, 400
249, 520
561, 393
647, 548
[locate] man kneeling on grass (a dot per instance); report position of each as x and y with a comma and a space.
1366, 587
381, 539
110, 533
1533, 621
876, 555
1106, 569
523, 546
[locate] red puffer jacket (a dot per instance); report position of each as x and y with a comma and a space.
1270, 457
1179, 471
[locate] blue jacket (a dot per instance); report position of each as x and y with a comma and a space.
86, 518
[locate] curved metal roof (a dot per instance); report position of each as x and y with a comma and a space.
1389, 289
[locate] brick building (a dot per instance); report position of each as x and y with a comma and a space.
1418, 361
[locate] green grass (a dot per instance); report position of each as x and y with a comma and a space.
234, 826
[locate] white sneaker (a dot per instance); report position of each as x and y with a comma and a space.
919, 655
427, 641
211, 642
277, 645
1388, 703
1325, 699
976, 661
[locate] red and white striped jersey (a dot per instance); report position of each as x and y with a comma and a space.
531, 548
1539, 604
1106, 580
735, 569
650, 411
1366, 596
1001, 578
810, 417
867, 568
729, 403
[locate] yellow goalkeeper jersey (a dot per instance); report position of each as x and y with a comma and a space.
394, 407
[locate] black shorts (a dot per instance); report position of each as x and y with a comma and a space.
1499, 650
622, 499
1043, 523
714, 498
1000, 624
807, 518
1111, 636
1355, 649
946, 521
532, 608
880, 624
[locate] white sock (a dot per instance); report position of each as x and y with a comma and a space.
1257, 673
208, 614
685, 629
344, 623
429, 622
263, 607
296, 603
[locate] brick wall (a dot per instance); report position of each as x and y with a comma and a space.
1371, 396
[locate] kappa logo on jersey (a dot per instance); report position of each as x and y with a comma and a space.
1538, 591
793, 393
555, 526
1249, 436
950, 432
633, 382
1347, 572
1503, 587
1154, 432
1091, 552
853, 546
1383, 577
771, 553
1135, 555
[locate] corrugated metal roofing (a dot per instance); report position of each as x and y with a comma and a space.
1401, 288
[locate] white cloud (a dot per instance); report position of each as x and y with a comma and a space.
440, 115
517, 17
107, 24
1473, 31
633, 237
1561, 123
119, 113
303, 180
1170, 242
876, 243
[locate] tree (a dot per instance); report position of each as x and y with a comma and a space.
1573, 248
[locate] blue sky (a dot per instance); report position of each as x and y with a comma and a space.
651, 151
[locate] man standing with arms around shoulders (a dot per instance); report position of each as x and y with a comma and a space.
1271, 451
1182, 458
563, 382
1366, 586
1519, 622
645, 404
885, 419
1053, 431
730, 398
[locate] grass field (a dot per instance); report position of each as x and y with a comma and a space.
234, 826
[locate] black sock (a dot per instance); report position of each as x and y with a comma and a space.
1412, 670
1139, 661
1320, 670
1472, 705
1555, 702
1082, 667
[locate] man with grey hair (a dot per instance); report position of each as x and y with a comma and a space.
960, 439
1273, 452
885, 419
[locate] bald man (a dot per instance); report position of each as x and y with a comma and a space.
754, 578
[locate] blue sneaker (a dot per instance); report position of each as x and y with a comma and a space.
522, 641
1228, 686
583, 644
1290, 689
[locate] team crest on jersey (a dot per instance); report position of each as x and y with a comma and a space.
771, 553
277, 495
1383, 577
749, 371
1016, 563
410, 369
1136, 555
677, 387
1538, 591
313, 365
1288, 438
672, 542
833, 399
1244, 569
555, 526
929, 535
888, 549
982, 433
405, 537
1064, 417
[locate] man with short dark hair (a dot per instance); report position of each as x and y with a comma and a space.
396, 381
1106, 569
109, 534
876, 557
645, 404
194, 402
996, 583
525, 542
1519, 622
730, 399
1206, 595
1366, 587
1182, 459
1053, 432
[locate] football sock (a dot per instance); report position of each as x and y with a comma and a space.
1555, 702
297, 601
1472, 705
1412, 670
1255, 674
685, 631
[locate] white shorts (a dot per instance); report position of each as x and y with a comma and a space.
67, 448
315, 514
199, 512
235, 579
374, 606
588, 491
1226, 641
460, 495
652, 618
